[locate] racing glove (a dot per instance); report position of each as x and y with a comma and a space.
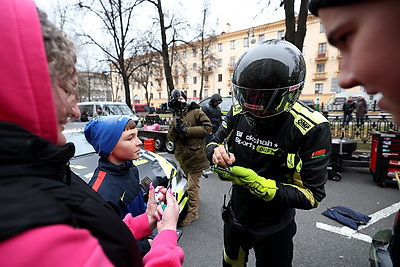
257, 185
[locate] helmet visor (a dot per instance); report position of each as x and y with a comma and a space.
266, 102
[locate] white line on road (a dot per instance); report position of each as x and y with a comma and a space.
350, 233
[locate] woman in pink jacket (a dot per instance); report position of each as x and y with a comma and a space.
48, 215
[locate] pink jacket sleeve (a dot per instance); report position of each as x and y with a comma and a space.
138, 225
164, 249
55, 245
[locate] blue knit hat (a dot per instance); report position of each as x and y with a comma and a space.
103, 133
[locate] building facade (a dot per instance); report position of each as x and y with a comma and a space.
322, 61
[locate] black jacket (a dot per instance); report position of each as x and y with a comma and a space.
214, 112
349, 107
38, 189
268, 148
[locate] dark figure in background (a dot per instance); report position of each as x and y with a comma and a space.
213, 112
99, 111
152, 109
361, 110
277, 159
348, 107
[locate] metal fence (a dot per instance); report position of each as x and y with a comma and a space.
372, 123
382, 122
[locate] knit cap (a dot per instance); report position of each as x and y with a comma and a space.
315, 5
103, 133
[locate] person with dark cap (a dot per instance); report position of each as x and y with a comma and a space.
188, 130
367, 34
213, 112
274, 150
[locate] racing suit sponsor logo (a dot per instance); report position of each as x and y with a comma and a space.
255, 143
303, 124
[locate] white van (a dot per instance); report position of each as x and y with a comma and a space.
336, 102
93, 109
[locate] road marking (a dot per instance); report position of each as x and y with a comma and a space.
350, 233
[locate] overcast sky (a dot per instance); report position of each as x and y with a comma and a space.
238, 13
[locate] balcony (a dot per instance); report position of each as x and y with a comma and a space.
208, 70
159, 88
319, 76
321, 56
228, 83
175, 74
185, 73
207, 85
185, 86
159, 78
231, 67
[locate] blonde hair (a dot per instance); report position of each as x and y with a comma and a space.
61, 56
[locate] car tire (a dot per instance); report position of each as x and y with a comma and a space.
170, 147
159, 143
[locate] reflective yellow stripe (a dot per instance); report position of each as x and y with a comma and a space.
236, 263
291, 162
298, 184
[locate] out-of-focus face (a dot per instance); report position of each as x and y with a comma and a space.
66, 107
127, 148
367, 35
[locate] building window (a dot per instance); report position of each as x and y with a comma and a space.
159, 95
151, 95
176, 81
205, 92
194, 66
184, 54
319, 88
321, 67
206, 78
220, 77
246, 42
232, 62
185, 79
233, 44
219, 91
194, 52
220, 62
194, 93
220, 47
261, 38
321, 49
194, 80
321, 28
281, 35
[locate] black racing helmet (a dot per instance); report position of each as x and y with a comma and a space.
268, 78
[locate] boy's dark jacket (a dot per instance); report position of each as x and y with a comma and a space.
120, 187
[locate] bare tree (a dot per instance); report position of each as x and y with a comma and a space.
116, 16
205, 47
292, 35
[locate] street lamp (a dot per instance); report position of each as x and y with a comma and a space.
252, 38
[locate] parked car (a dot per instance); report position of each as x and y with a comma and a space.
152, 167
225, 106
141, 107
308, 102
93, 109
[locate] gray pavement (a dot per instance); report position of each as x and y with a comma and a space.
319, 241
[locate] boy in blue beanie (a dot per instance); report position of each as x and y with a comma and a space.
116, 179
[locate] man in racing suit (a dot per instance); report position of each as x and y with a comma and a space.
278, 152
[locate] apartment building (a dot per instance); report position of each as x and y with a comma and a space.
322, 61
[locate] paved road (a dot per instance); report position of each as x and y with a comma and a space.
319, 241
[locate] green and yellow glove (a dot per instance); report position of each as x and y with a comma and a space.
259, 186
